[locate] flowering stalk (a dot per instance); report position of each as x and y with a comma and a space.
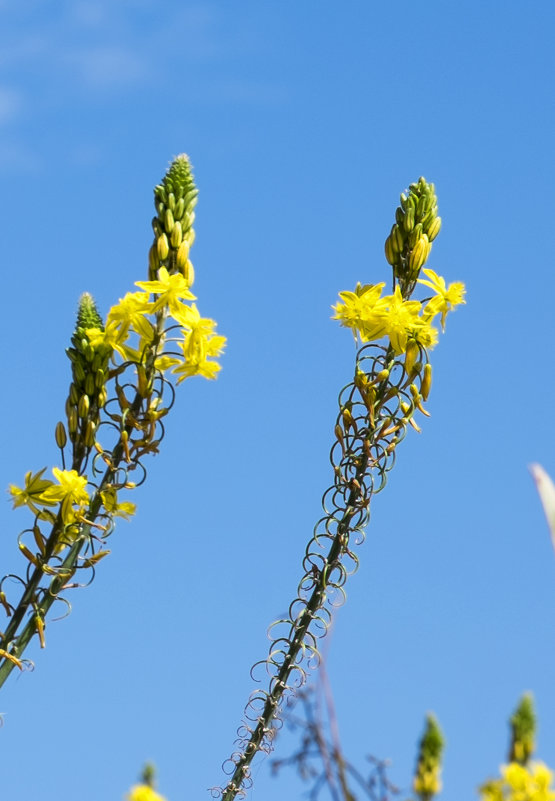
119, 377
427, 778
521, 779
391, 383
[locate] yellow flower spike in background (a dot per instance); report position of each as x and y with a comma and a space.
521, 779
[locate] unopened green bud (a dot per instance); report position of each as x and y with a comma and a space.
90, 434
171, 201
101, 398
411, 354
162, 247
433, 229
179, 209
168, 221
389, 251
72, 420
176, 235
419, 254
83, 406
398, 239
409, 219
61, 435
74, 394
415, 235
188, 273
153, 260
182, 255
97, 362
89, 384
87, 313
426, 381
99, 378
424, 202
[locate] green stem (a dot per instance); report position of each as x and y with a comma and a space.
316, 601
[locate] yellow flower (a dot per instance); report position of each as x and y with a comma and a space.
123, 509
69, 492
199, 343
142, 792
131, 312
170, 289
402, 319
520, 783
363, 310
446, 298
33, 493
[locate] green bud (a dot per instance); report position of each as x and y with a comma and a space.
162, 247
433, 229
89, 384
415, 235
79, 372
99, 378
61, 435
426, 381
397, 240
87, 313
179, 208
176, 235
182, 255
168, 221
171, 201
419, 254
90, 433
74, 394
83, 406
72, 421
409, 219
389, 252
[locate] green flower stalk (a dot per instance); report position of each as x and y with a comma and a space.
120, 392
521, 779
523, 731
392, 381
427, 777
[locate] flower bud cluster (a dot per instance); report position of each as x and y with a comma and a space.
175, 199
87, 391
416, 226
427, 781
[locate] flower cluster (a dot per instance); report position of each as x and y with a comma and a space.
196, 340
405, 322
372, 316
530, 782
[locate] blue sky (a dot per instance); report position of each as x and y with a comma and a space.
304, 121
